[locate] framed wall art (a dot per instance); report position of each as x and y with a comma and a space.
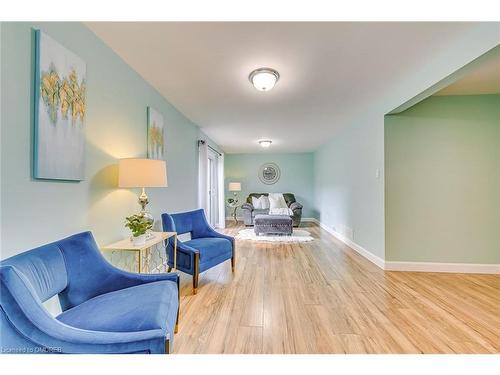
269, 173
156, 149
60, 108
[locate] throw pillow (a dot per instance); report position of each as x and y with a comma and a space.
261, 203
276, 200
256, 203
265, 202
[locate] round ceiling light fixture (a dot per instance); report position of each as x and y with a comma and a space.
265, 143
264, 79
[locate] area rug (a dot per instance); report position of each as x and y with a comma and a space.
299, 235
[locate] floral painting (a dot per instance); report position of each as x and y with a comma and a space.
60, 109
156, 149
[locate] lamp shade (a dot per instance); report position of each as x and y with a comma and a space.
234, 186
142, 173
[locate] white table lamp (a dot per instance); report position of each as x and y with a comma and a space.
235, 187
142, 173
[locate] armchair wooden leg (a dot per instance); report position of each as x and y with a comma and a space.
233, 258
167, 346
176, 329
196, 272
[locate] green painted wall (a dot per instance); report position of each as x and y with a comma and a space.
442, 175
35, 212
297, 176
347, 191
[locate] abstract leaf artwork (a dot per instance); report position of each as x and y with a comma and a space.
60, 108
156, 149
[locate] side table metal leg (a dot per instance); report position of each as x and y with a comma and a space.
139, 261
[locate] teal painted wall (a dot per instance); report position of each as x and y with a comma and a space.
348, 193
442, 171
35, 212
297, 176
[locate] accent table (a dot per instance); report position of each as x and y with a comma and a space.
144, 251
234, 206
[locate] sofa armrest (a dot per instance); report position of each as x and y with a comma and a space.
247, 206
295, 206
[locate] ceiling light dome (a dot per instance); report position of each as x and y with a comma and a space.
265, 143
264, 79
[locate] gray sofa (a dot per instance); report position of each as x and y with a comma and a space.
249, 212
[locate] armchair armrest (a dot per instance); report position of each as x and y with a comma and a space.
119, 279
144, 278
203, 229
295, 206
90, 274
247, 206
214, 234
106, 278
182, 247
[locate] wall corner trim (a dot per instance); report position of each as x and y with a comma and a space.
411, 266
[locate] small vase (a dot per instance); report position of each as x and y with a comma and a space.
139, 240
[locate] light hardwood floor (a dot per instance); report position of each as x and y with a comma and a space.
323, 297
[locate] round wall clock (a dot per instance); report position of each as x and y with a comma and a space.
269, 173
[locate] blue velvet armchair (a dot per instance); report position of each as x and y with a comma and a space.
105, 310
206, 248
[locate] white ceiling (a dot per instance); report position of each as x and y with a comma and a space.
483, 78
329, 72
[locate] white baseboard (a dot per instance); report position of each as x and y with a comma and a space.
411, 266
309, 220
353, 245
442, 267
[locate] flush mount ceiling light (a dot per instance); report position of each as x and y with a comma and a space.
264, 79
265, 143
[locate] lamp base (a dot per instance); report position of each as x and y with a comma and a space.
143, 201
